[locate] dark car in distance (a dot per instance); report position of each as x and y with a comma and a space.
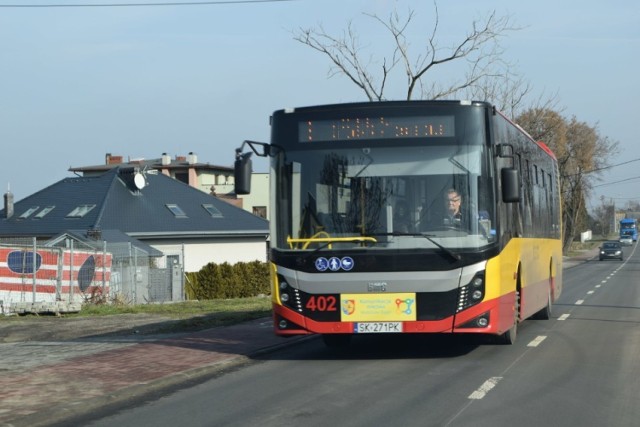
611, 250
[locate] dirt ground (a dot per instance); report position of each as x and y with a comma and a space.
52, 328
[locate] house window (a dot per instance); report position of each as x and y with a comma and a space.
44, 211
213, 211
176, 210
182, 177
260, 211
26, 214
80, 211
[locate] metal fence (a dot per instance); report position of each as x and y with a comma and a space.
120, 272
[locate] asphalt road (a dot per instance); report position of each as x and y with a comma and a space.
579, 368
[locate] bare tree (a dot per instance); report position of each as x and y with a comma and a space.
580, 150
511, 94
480, 48
604, 217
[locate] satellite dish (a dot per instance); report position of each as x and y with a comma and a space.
139, 181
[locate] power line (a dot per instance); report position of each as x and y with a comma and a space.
600, 169
616, 182
613, 166
187, 3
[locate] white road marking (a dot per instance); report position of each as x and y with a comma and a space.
590, 292
564, 317
485, 388
536, 342
579, 302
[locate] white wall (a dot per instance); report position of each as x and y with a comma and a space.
259, 193
197, 255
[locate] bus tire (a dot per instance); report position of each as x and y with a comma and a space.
545, 313
509, 337
336, 340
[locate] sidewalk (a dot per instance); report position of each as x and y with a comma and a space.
45, 382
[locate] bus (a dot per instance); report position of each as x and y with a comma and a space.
339, 266
629, 227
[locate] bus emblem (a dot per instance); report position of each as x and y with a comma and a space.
377, 286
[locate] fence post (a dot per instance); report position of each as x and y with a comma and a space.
33, 270
60, 272
71, 272
104, 268
182, 273
132, 273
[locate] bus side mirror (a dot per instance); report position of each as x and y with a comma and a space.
510, 185
242, 173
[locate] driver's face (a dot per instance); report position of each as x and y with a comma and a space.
453, 203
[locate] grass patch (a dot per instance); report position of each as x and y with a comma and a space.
185, 316
180, 310
191, 316
578, 248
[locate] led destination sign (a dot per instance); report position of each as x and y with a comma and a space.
353, 129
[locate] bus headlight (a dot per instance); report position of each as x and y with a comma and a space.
472, 293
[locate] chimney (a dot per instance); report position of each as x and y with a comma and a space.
112, 160
8, 204
193, 159
166, 159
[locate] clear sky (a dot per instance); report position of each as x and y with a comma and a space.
80, 82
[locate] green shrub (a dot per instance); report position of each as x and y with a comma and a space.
222, 281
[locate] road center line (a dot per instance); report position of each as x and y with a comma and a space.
485, 388
579, 302
564, 317
536, 342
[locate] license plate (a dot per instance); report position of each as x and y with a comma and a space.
377, 327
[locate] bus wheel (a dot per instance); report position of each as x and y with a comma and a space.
336, 340
509, 337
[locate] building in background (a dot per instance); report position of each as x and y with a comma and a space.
183, 223
213, 179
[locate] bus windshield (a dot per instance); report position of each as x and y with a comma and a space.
383, 197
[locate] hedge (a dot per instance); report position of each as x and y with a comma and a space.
223, 281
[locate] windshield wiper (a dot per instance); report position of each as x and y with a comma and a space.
444, 249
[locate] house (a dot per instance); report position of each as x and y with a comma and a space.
203, 176
214, 179
186, 225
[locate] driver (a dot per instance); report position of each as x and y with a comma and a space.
453, 201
